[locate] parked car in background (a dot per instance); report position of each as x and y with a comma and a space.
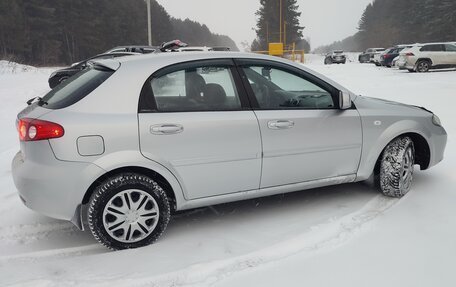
377, 57
195, 49
394, 61
368, 55
386, 58
133, 49
62, 75
336, 57
424, 57
129, 141
221, 49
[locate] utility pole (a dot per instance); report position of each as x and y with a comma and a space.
280, 23
149, 28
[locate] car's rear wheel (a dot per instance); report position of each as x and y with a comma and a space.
423, 66
128, 210
396, 167
411, 70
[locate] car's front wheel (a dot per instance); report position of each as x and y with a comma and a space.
128, 210
396, 167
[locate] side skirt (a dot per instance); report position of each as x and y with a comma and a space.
213, 200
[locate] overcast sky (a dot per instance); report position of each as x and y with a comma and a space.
325, 20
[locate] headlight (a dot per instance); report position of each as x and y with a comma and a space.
436, 121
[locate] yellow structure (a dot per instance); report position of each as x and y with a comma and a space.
280, 49
276, 49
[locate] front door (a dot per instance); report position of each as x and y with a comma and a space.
305, 136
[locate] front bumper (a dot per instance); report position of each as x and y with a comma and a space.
49, 186
438, 143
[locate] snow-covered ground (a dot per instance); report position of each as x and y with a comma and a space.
346, 235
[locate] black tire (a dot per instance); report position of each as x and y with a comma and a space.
423, 66
111, 187
411, 70
396, 171
328, 61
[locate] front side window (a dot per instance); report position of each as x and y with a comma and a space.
207, 88
279, 89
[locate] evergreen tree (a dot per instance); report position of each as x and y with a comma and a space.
268, 23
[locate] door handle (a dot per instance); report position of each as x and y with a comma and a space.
166, 129
280, 124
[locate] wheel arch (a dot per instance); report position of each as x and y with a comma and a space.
161, 180
422, 151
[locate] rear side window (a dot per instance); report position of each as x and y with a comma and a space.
204, 88
450, 48
76, 87
432, 48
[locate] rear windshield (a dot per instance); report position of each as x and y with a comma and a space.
76, 87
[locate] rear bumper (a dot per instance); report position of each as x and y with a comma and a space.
342, 60
49, 186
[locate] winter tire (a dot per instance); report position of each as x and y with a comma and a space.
423, 66
128, 210
396, 167
411, 70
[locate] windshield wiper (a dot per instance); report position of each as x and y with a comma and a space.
40, 101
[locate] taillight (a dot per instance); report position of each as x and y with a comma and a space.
35, 130
409, 54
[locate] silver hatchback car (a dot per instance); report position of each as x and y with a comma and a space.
127, 142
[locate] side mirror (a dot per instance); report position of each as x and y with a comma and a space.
344, 100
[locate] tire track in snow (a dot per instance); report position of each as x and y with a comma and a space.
51, 254
26, 233
321, 238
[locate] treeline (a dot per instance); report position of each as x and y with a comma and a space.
386, 23
50, 32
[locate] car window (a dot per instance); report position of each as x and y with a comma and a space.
76, 87
450, 48
280, 89
432, 48
206, 88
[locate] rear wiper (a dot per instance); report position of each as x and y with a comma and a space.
40, 101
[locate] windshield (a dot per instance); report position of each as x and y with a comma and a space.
76, 87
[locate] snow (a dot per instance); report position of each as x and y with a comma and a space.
346, 235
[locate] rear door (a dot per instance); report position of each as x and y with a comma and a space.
305, 136
195, 120
436, 52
